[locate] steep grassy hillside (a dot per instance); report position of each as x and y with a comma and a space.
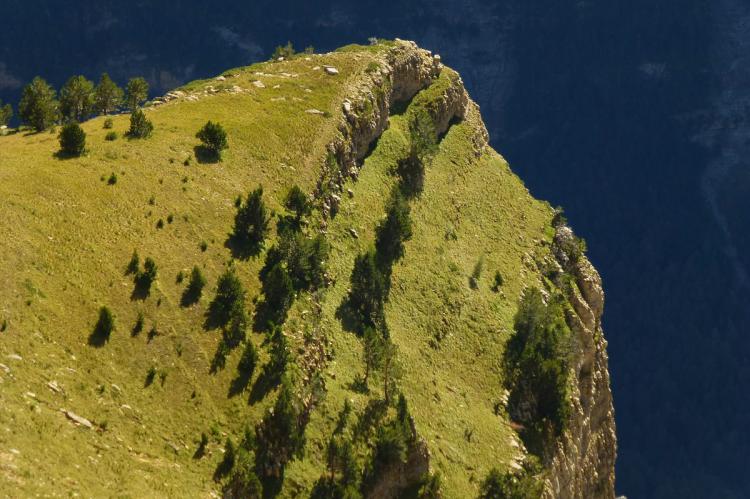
68, 234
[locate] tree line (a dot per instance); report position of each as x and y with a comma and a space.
42, 107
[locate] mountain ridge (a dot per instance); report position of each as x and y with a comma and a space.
359, 139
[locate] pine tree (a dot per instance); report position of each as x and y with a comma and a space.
368, 290
279, 353
230, 293
107, 95
136, 92
394, 230
104, 326
72, 139
248, 361
373, 346
140, 126
214, 138
296, 201
195, 286
280, 436
251, 222
77, 99
38, 107
6, 113
278, 292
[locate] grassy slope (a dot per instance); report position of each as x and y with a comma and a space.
67, 236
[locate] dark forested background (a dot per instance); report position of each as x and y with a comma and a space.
630, 114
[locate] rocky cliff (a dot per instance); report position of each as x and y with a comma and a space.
584, 458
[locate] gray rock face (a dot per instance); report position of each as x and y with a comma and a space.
584, 458
408, 69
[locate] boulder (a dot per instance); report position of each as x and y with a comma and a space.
331, 70
81, 421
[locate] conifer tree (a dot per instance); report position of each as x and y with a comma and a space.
107, 95
77, 99
136, 91
38, 107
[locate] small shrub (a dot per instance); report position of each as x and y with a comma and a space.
202, 444
498, 282
297, 202
72, 140
283, 52
108, 123
170, 218
152, 200
180, 277
138, 326
160, 224
150, 376
522, 485
203, 246
140, 126
243, 482
111, 136
153, 332
112, 180
476, 273
430, 487
134, 264
214, 138
146, 277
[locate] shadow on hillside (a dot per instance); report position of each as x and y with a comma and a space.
215, 316
358, 384
271, 485
142, 289
349, 317
242, 250
224, 467
204, 155
239, 384
190, 297
62, 156
219, 361
98, 337
266, 382
265, 317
